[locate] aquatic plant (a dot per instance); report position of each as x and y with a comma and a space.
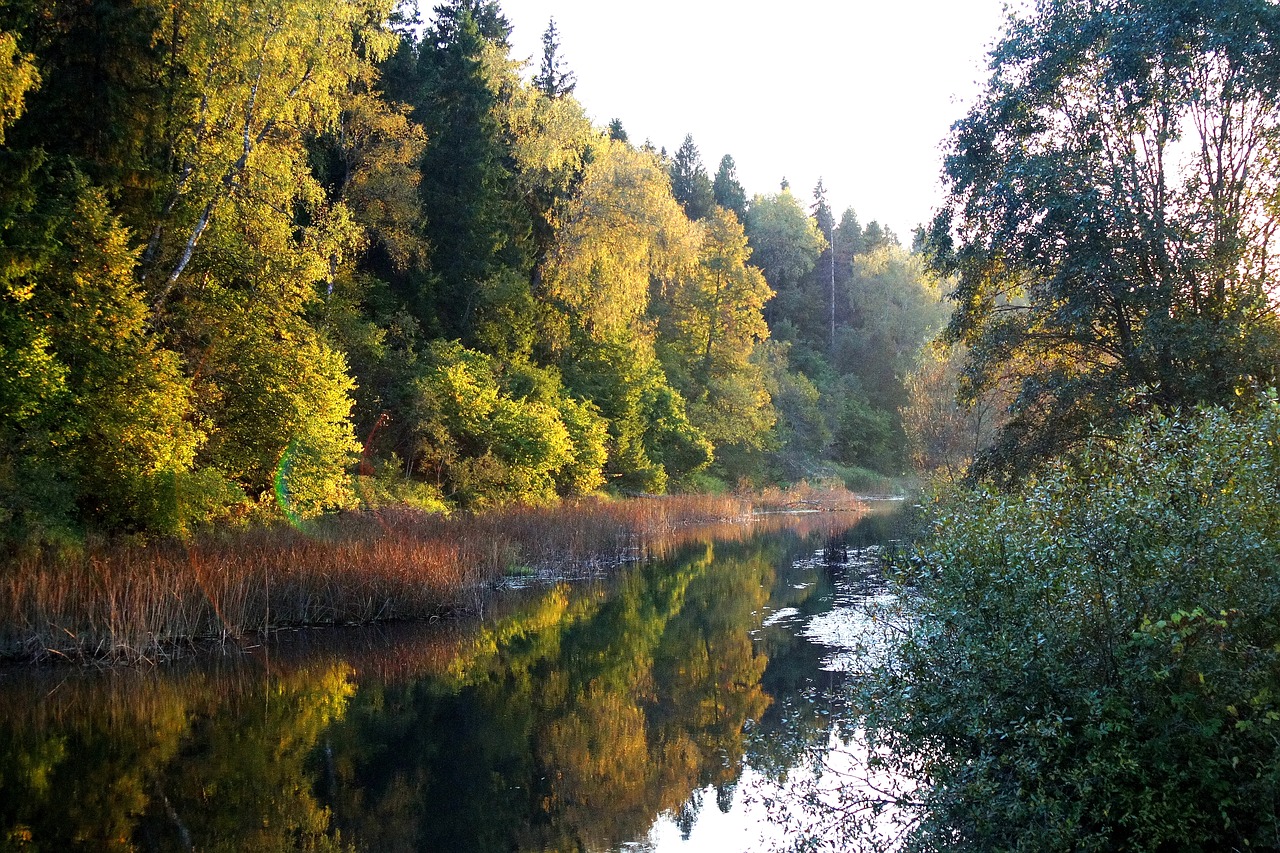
136, 603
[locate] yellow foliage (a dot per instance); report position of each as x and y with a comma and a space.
621, 230
17, 77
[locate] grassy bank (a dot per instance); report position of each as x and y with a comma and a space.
144, 603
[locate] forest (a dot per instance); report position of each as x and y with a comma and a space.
275, 260
267, 261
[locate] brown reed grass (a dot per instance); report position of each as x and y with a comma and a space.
144, 603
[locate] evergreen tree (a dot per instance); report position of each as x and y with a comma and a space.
824, 271
689, 182
553, 79
726, 189
847, 244
821, 210
487, 16
475, 232
102, 58
877, 236
96, 422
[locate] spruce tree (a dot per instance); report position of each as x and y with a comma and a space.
727, 191
689, 182
553, 79
472, 228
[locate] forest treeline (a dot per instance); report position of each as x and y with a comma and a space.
302, 255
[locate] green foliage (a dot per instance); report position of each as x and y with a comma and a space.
1108, 195
888, 306
281, 401
369, 162
895, 307
727, 190
553, 79
386, 484
475, 229
249, 80
1090, 662
183, 375
864, 481
785, 241
711, 324
618, 234
96, 415
866, 436
671, 439
234, 235
488, 439
689, 182
588, 433
803, 431
274, 390
650, 436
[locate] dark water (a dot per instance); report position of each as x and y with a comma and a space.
672, 706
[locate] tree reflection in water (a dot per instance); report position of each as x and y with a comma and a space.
569, 721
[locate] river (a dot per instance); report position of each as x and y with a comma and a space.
677, 704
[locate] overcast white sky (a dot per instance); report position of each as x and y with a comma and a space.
859, 92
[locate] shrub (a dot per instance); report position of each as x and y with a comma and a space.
1093, 661
491, 444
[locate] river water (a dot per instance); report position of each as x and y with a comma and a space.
679, 704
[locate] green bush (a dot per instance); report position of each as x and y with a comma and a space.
492, 439
386, 484
1093, 662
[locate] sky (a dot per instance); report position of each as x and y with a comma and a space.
859, 93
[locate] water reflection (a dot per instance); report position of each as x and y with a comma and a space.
630, 712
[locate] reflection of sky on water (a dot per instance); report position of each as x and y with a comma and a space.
768, 813
852, 632
746, 827
780, 617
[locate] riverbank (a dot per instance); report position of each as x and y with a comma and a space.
1091, 659
143, 604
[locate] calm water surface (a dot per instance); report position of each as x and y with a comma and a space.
677, 705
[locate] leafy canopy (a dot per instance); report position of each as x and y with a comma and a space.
1111, 215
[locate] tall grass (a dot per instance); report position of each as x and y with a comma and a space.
133, 603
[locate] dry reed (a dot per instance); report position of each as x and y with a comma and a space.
138, 604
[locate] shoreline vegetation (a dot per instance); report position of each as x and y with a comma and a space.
1093, 662
138, 604
334, 257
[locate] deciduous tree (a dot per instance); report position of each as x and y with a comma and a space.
713, 322
1110, 215
17, 76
